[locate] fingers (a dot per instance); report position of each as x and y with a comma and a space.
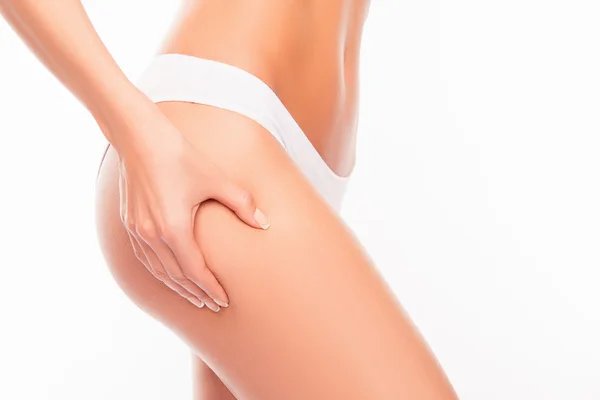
143, 236
137, 250
164, 242
241, 202
157, 269
158, 258
188, 255
174, 272
152, 262
165, 264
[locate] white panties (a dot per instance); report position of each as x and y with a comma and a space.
178, 77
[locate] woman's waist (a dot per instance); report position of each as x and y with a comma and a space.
281, 42
302, 28
309, 69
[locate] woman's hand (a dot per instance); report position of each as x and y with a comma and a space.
162, 178
162, 181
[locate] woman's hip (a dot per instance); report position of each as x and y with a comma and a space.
184, 78
298, 291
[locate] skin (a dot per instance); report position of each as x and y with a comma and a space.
309, 318
162, 178
309, 315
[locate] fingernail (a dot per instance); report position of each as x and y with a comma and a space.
261, 219
196, 302
221, 303
213, 307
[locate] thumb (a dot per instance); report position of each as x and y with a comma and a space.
242, 203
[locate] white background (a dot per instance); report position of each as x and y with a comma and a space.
476, 192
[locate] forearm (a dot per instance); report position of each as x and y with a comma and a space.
61, 35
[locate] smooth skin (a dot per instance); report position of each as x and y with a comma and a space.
162, 178
309, 316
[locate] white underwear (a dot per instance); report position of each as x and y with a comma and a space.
178, 77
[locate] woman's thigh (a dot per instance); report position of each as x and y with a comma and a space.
207, 385
309, 316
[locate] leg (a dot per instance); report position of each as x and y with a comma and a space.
310, 318
207, 385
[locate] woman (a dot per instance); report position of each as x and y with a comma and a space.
249, 103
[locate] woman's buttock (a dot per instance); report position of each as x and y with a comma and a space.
309, 316
302, 294
309, 91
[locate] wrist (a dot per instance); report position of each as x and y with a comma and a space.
120, 112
